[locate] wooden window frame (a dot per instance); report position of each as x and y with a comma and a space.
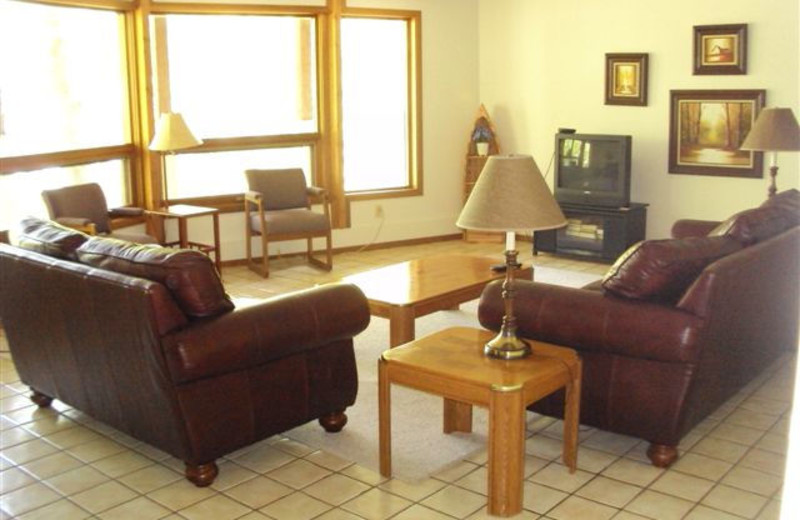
144, 167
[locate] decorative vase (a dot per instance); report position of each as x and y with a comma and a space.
482, 148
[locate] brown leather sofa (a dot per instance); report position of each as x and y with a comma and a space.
145, 339
677, 326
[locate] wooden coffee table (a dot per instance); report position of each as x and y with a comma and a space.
451, 363
405, 291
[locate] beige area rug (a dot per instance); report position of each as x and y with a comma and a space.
419, 447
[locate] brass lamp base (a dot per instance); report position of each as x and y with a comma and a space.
505, 346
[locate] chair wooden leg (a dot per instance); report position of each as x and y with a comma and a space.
334, 421
201, 475
39, 399
327, 265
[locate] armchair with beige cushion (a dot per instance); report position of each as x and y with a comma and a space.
83, 207
278, 208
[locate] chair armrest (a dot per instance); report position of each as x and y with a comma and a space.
125, 212
252, 196
316, 191
593, 321
81, 224
273, 329
685, 228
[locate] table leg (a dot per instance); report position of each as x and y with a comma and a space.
506, 452
401, 325
384, 420
183, 235
572, 408
457, 417
217, 259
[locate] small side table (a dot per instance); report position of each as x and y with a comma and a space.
183, 212
451, 363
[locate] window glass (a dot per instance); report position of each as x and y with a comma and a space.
235, 76
59, 88
21, 193
375, 104
218, 173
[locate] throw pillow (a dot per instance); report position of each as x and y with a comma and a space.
662, 270
49, 238
753, 225
189, 275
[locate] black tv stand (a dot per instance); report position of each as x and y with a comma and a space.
596, 232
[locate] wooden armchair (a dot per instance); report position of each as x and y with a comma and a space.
83, 207
278, 208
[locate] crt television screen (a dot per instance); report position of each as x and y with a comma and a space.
589, 165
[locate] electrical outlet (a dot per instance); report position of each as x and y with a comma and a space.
379, 211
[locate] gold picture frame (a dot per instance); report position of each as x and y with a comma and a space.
707, 128
626, 79
720, 49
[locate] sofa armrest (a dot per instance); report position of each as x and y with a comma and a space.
593, 321
275, 328
685, 228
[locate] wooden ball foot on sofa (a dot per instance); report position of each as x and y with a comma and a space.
661, 455
40, 400
201, 475
333, 422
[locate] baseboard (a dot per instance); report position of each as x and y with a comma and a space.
347, 249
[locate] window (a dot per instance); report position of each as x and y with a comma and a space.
378, 123
254, 80
254, 76
63, 105
209, 174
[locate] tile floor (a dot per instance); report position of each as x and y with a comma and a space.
58, 463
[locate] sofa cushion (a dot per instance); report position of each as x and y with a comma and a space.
49, 238
788, 203
753, 225
661, 270
189, 275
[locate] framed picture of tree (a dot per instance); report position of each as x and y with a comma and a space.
626, 79
706, 129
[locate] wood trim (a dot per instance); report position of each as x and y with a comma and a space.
108, 5
262, 141
368, 247
67, 158
151, 164
329, 74
200, 8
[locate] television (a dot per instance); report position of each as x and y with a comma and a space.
593, 169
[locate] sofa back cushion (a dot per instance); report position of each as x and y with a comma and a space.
661, 270
189, 275
788, 203
49, 238
754, 225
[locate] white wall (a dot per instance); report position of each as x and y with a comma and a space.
542, 67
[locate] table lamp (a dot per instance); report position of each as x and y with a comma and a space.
510, 195
775, 130
172, 134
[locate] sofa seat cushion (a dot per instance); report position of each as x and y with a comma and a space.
189, 275
754, 225
49, 238
661, 270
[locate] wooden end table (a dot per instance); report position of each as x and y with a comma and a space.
405, 291
184, 212
451, 363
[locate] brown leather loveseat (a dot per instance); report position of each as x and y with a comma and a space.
677, 326
145, 339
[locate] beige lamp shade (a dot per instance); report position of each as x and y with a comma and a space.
775, 129
173, 134
511, 195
